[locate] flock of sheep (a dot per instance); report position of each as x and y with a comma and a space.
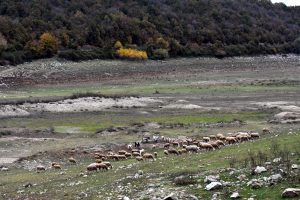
170, 145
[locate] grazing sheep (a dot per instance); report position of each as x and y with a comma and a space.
139, 158
254, 135
121, 157
102, 166
154, 146
192, 148
155, 154
108, 164
182, 151
173, 151
128, 155
122, 152
135, 150
266, 131
166, 152
40, 168
135, 154
148, 156
220, 136
231, 140
54, 163
142, 151
214, 144
98, 160
72, 160
213, 137
56, 166
220, 142
175, 143
167, 145
206, 146
129, 146
206, 139
92, 167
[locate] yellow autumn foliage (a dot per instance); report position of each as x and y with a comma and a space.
132, 53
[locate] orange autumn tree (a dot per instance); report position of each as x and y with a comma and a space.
48, 44
132, 53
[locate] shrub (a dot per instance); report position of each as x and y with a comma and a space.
77, 55
132, 53
160, 54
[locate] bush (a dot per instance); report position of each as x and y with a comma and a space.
132, 53
15, 57
78, 55
160, 54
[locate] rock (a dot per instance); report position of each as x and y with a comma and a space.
242, 177
291, 192
126, 198
276, 160
171, 197
211, 178
213, 186
192, 197
235, 195
255, 183
260, 169
275, 178
82, 195
295, 166
4, 169
215, 196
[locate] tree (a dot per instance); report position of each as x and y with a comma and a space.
48, 44
118, 45
3, 43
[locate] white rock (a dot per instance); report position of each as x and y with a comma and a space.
295, 166
213, 186
235, 195
291, 192
211, 178
126, 198
260, 169
275, 178
276, 160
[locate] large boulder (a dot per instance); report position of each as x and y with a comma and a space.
291, 192
214, 186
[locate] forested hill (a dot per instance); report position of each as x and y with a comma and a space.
84, 29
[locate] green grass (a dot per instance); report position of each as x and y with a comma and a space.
164, 168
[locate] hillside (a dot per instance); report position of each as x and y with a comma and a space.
163, 28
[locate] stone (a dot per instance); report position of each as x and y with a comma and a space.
211, 178
126, 198
140, 172
171, 197
242, 177
276, 160
291, 192
275, 178
260, 169
235, 195
192, 197
213, 186
255, 183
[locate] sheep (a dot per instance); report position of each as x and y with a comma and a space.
72, 160
175, 143
155, 154
129, 146
214, 144
266, 131
139, 158
135, 150
98, 160
128, 155
135, 154
192, 148
173, 151
254, 135
102, 166
108, 164
142, 151
54, 163
213, 137
154, 146
92, 167
167, 145
40, 168
182, 151
166, 152
206, 139
220, 136
220, 142
148, 156
122, 152
121, 157
242, 136
206, 146
231, 140
56, 166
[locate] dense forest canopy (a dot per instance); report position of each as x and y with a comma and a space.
84, 29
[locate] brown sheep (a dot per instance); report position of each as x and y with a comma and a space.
231, 140
192, 148
175, 143
206, 146
72, 160
108, 164
121, 157
56, 166
167, 145
135, 150
214, 144
155, 154
98, 160
213, 137
102, 166
220, 136
139, 158
148, 156
206, 139
128, 155
266, 131
173, 151
122, 152
135, 154
220, 142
